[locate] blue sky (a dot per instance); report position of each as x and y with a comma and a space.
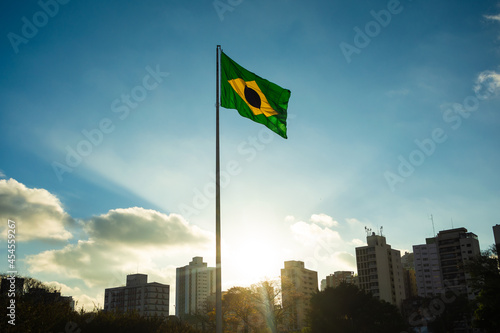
393, 117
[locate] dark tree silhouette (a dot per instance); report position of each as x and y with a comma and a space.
39, 309
455, 315
485, 280
347, 309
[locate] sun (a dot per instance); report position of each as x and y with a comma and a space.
252, 260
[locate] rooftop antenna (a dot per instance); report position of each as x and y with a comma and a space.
452, 222
433, 230
381, 228
368, 231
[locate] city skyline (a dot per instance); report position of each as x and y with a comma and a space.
107, 125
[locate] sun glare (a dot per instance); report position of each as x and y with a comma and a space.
252, 261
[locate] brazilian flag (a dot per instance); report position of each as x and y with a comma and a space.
254, 97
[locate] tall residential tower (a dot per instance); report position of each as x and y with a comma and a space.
380, 271
496, 234
298, 284
456, 247
440, 264
194, 283
427, 268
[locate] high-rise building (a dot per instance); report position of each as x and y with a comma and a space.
409, 275
148, 299
194, 283
427, 268
496, 234
440, 263
407, 260
298, 284
380, 271
335, 279
456, 247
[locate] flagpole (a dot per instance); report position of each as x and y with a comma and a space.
218, 280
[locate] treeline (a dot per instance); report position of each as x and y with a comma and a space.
245, 309
38, 310
55, 318
260, 308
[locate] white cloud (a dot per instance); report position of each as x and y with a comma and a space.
323, 247
2, 174
289, 219
144, 228
493, 17
345, 261
487, 83
89, 303
358, 242
354, 222
81, 299
310, 234
88, 261
340, 260
324, 220
118, 243
37, 213
64, 289
104, 261
119, 240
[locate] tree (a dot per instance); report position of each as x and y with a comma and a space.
38, 307
485, 280
38, 310
253, 309
455, 315
238, 309
267, 298
347, 309
291, 300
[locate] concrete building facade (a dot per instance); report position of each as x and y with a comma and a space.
427, 269
298, 284
380, 271
194, 284
496, 235
409, 275
335, 279
148, 299
440, 264
456, 247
